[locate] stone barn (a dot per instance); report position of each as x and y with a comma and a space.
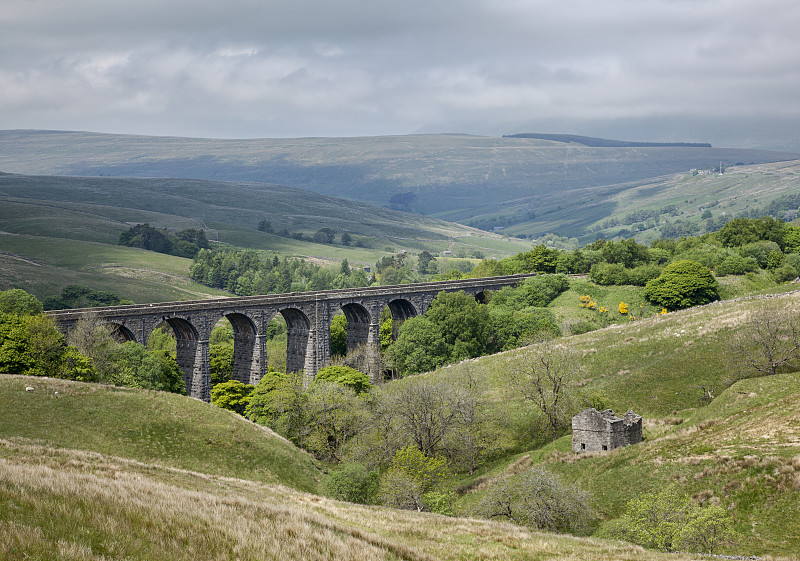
595, 431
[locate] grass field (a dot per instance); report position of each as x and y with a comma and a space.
44, 265
150, 427
56, 231
125, 465
98, 473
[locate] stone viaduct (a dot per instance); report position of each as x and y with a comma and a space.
308, 316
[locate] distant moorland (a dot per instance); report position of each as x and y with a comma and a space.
486, 182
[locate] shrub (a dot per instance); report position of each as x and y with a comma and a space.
760, 251
639, 276
784, 274
345, 376
668, 520
736, 265
609, 274
537, 499
681, 285
232, 395
353, 482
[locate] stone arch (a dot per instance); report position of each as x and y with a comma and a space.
192, 357
298, 329
401, 310
249, 350
120, 332
358, 324
483, 296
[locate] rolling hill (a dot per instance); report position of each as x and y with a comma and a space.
480, 181
56, 231
123, 465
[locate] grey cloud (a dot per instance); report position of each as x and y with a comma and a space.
255, 68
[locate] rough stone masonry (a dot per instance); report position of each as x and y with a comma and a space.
596, 431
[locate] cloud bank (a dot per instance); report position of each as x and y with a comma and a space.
661, 69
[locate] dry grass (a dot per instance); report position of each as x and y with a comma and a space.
72, 505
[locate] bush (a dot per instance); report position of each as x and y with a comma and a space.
639, 276
537, 499
784, 274
668, 520
736, 265
352, 482
682, 284
345, 376
232, 395
607, 274
760, 251
540, 290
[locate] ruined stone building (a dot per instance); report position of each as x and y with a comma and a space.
595, 431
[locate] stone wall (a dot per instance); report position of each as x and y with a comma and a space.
597, 431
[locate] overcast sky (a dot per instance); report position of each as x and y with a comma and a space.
694, 70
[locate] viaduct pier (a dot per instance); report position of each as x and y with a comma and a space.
308, 316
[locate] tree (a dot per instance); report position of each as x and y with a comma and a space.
543, 375
232, 395
93, 339
131, 365
668, 520
333, 417
346, 239
17, 301
353, 482
285, 408
420, 347
426, 263
537, 499
426, 409
741, 231
324, 235
351, 378
220, 358
411, 477
682, 284
339, 335
769, 340
162, 339
539, 260
262, 406
465, 325
30, 345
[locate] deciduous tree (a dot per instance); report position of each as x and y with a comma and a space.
538, 499
768, 340
543, 374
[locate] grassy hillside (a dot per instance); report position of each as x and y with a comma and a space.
150, 427
56, 231
44, 265
483, 181
97, 473
150, 475
696, 198
741, 451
